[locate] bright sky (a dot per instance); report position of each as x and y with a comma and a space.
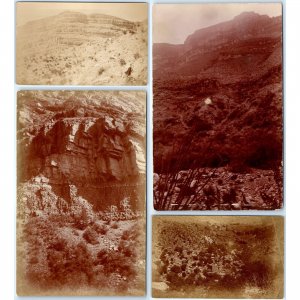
28, 11
172, 23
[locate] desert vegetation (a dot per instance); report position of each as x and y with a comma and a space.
77, 48
203, 258
96, 253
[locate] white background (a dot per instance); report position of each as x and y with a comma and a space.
8, 160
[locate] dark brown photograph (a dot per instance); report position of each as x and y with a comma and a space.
65, 43
217, 106
217, 257
81, 193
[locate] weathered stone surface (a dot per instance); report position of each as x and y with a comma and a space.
94, 149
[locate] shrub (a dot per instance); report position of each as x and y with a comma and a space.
102, 256
114, 225
130, 234
80, 224
101, 70
100, 229
129, 71
122, 62
55, 262
82, 212
116, 262
136, 55
58, 244
127, 248
257, 273
91, 236
125, 235
71, 265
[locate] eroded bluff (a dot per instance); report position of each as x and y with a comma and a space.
104, 157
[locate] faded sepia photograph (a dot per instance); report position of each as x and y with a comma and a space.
218, 257
65, 43
217, 106
81, 163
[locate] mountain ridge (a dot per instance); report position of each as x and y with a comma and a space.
73, 13
219, 50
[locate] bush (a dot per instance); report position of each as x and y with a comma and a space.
257, 273
127, 249
130, 234
136, 55
100, 229
101, 70
80, 224
82, 213
116, 262
54, 262
125, 235
91, 236
122, 62
114, 225
70, 265
129, 71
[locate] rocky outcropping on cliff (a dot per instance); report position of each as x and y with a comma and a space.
243, 48
75, 48
218, 103
95, 141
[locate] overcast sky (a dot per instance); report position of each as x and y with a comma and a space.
28, 11
172, 23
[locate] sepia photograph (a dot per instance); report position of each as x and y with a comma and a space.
81, 166
218, 257
65, 43
217, 106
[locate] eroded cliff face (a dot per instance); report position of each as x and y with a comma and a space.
241, 49
100, 151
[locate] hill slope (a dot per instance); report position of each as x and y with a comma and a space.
218, 98
75, 48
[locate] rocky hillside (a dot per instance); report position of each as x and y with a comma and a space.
75, 48
232, 103
81, 193
94, 141
218, 104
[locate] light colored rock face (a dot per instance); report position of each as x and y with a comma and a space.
95, 151
75, 48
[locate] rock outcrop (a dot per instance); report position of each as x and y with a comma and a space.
242, 48
101, 153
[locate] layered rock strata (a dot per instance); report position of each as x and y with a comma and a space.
102, 155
